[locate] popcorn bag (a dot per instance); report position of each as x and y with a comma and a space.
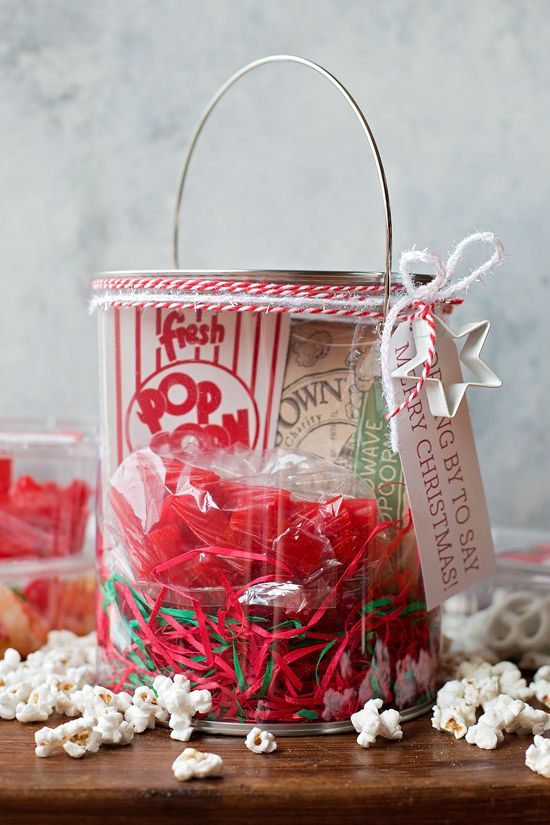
261, 468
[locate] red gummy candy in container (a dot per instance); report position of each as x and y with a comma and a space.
47, 581
268, 578
46, 476
42, 519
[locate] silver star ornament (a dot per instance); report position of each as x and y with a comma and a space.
444, 400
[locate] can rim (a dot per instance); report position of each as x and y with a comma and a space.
265, 276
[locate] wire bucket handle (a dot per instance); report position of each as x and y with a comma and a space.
288, 58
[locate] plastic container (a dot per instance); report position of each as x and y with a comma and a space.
507, 615
47, 476
39, 595
255, 532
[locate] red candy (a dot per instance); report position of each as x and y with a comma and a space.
165, 510
5, 475
40, 519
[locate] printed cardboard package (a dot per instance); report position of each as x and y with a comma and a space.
332, 406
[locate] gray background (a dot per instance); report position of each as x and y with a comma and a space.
97, 101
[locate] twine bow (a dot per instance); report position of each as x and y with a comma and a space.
422, 300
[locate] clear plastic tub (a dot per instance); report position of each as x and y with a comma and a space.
39, 595
47, 476
508, 615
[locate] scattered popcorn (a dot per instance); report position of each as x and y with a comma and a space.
114, 729
483, 681
260, 741
485, 736
451, 693
60, 678
501, 713
93, 701
530, 721
31, 690
367, 722
9, 662
181, 703
511, 681
479, 691
12, 696
145, 710
455, 719
537, 756
390, 727
542, 674
475, 668
193, 764
501, 691
541, 685
63, 688
76, 737
370, 723
38, 707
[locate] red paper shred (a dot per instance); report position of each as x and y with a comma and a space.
287, 609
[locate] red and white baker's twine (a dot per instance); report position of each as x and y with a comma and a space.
355, 301
240, 287
424, 299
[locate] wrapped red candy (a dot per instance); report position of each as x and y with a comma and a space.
266, 578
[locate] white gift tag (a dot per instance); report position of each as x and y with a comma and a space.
443, 479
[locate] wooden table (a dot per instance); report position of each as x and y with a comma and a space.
426, 778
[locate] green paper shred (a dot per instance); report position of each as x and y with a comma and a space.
375, 684
414, 607
322, 653
375, 605
238, 671
225, 643
267, 677
307, 714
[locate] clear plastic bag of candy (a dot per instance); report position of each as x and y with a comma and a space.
268, 578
